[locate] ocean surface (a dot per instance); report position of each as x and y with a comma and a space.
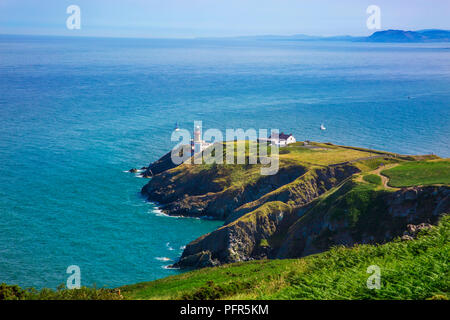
76, 113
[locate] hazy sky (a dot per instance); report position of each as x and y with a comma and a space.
197, 18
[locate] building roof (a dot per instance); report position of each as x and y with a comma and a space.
281, 136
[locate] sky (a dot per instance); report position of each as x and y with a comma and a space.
218, 18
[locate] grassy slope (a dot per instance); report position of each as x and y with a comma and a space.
372, 178
229, 177
321, 156
14, 292
292, 155
238, 176
417, 269
419, 173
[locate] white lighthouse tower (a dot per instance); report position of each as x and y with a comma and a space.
197, 140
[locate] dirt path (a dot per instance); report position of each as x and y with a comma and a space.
384, 179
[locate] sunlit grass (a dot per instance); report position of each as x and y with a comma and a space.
419, 173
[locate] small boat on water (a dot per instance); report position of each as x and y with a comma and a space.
322, 127
176, 127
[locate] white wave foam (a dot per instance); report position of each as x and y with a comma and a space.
169, 267
163, 259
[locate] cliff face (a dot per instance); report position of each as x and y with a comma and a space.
248, 235
303, 190
240, 240
275, 230
386, 216
181, 192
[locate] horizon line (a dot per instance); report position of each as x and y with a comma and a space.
211, 37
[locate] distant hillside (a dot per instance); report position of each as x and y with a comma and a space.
429, 35
410, 36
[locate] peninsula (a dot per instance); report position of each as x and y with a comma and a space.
324, 195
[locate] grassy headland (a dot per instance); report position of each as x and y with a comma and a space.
322, 195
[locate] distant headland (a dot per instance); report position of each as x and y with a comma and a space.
427, 35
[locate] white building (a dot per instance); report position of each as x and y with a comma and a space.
280, 140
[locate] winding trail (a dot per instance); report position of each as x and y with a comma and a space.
385, 179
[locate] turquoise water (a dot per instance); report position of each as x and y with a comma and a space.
76, 113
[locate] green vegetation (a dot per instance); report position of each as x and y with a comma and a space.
263, 211
321, 154
358, 205
416, 269
227, 281
264, 243
14, 292
372, 178
240, 175
419, 173
313, 154
372, 164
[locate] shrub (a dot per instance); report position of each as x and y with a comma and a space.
372, 178
14, 292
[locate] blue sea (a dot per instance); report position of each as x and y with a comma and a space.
77, 112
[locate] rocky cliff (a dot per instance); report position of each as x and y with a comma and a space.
276, 230
204, 193
362, 216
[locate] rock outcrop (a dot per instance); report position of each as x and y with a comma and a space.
249, 234
241, 240
161, 165
276, 230
388, 216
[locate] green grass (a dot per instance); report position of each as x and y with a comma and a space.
240, 175
322, 156
417, 269
372, 178
372, 164
14, 292
419, 173
237, 275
